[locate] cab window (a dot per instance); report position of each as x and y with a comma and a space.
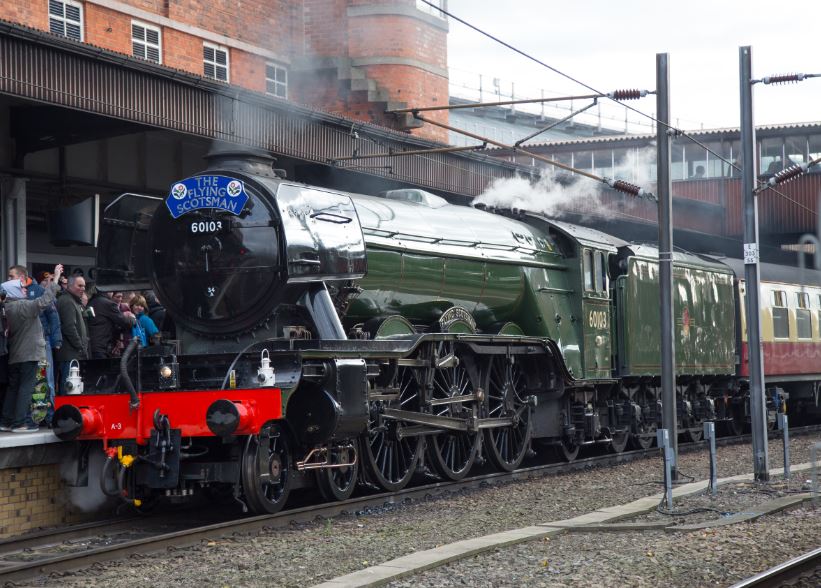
601, 272
588, 269
781, 316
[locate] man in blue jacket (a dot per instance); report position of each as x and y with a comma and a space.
50, 320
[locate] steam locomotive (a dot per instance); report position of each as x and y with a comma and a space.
330, 339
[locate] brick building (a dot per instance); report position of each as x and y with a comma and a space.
356, 58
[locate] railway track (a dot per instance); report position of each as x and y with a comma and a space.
807, 565
83, 545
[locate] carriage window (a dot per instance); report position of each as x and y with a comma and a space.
781, 316
803, 318
588, 269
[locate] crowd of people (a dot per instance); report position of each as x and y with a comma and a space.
48, 322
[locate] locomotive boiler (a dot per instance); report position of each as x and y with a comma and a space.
334, 339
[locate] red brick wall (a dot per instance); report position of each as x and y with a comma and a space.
184, 51
107, 28
325, 27
32, 13
33, 497
291, 28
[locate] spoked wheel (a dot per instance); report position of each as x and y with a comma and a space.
645, 434
389, 458
452, 453
266, 463
340, 482
506, 397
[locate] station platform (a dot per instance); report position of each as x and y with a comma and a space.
32, 492
31, 449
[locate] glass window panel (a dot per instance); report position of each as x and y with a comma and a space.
222, 74
796, 150
803, 323
222, 57
781, 323
678, 171
55, 8
72, 12
583, 160
152, 54
603, 163
771, 156
695, 157
208, 53
588, 269
152, 36
734, 156
814, 144
208, 69
56, 26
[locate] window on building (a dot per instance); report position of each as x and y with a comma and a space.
434, 10
814, 144
678, 169
732, 154
803, 319
603, 163
781, 315
65, 18
695, 162
146, 42
583, 160
796, 150
276, 80
771, 156
215, 62
588, 269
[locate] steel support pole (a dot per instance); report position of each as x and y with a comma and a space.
758, 407
665, 216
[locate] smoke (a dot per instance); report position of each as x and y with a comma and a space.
556, 195
88, 498
546, 196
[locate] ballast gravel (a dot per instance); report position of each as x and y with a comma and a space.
307, 554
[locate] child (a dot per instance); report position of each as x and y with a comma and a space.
145, 328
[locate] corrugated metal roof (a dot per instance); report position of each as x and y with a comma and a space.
649, 138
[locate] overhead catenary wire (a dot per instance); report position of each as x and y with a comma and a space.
786, 78
620, 185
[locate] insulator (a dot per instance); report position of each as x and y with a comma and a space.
784, 78
785, 175
625, 187
630, 94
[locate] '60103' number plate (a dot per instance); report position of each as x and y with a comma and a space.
206, 227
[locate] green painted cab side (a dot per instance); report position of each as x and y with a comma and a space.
703, 309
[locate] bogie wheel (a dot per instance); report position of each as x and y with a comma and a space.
618, 441
339, 483
506, 397
388, 458
266, 470
645, 435
567, 450
452, 453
